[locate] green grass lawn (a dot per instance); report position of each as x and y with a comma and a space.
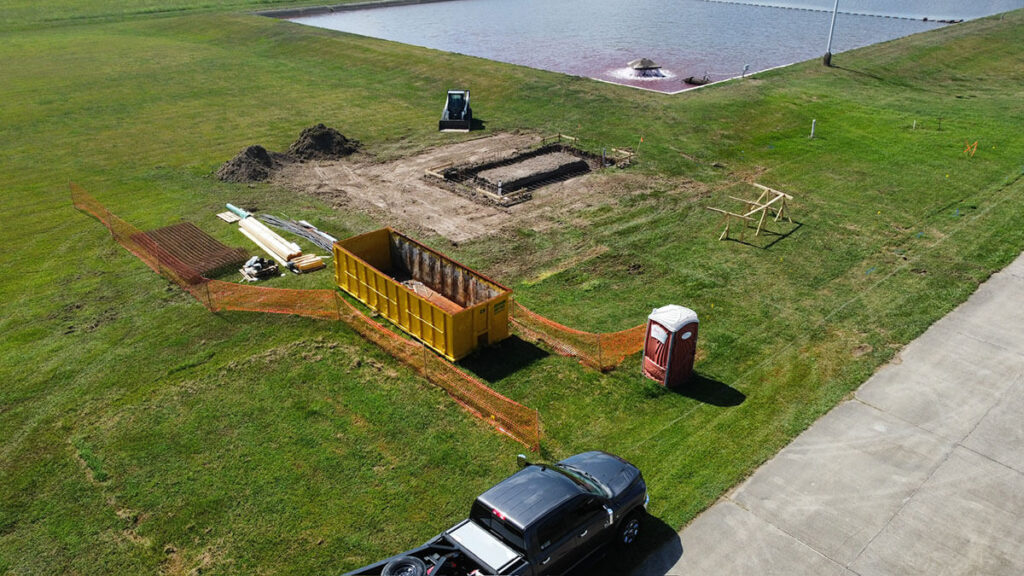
140, 433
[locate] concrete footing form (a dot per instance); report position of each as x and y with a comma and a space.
510, 180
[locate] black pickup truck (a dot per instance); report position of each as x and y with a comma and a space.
542, 520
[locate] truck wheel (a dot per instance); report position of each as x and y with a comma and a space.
405, 566
629, 530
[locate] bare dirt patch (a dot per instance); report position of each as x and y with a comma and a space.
396, 192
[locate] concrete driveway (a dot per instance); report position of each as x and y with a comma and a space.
921, 473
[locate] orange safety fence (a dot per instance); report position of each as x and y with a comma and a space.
506, 415
226, 296
602, 351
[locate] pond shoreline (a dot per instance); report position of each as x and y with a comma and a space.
289, 13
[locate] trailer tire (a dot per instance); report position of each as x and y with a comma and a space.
405, 566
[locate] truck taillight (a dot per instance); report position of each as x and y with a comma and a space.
498, 514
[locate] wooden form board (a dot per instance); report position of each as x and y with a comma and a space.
729, 218
771, 203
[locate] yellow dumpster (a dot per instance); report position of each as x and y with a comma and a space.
449, 307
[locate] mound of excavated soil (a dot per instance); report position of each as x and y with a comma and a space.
250, 165
322, 143
255, 163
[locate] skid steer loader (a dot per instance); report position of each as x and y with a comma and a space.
457, 115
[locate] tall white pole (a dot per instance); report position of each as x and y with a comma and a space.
832, 28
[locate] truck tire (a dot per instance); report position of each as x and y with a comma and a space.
405, 566
629, 530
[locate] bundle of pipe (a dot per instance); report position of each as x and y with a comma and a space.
303, 229
288, 254
281, 247
268, 240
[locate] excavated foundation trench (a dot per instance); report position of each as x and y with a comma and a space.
509, 180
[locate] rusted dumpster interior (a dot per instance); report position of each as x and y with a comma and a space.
448, 306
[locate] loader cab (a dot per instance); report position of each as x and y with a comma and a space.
457, 115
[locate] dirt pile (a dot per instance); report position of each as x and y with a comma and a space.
256, 163
321, 143
253, 164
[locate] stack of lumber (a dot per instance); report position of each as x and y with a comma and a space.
270, 241
308, 263
288, 254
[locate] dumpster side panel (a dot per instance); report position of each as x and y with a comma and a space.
462, 333
497, 328
425, 321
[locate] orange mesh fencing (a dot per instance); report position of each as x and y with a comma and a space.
504, 414
245, 298
603, 351
507, 416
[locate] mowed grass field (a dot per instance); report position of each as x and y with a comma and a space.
141, 434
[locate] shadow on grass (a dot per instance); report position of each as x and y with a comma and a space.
770, 237
892, 81
503, 359
860, 73
709, 391
477, 124
706, 390
658, 546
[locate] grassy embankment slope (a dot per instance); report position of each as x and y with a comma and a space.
140, 433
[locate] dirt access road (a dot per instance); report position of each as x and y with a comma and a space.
396, 193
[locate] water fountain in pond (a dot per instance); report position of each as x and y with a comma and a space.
640, 71
646, 68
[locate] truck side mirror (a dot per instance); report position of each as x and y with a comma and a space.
521, 460
611, 517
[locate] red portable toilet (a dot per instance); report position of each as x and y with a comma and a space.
670, 345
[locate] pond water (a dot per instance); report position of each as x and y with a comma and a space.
687, 38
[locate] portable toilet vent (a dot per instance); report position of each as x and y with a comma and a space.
670, 345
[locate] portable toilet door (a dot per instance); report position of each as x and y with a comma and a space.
670, 345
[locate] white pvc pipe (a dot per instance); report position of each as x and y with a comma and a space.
832, 28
